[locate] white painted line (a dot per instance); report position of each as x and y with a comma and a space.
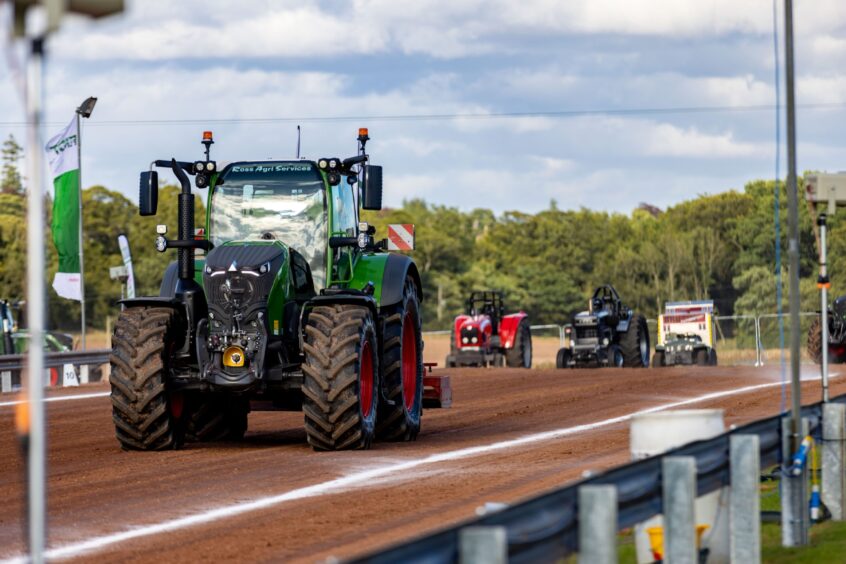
59, 398
356, 479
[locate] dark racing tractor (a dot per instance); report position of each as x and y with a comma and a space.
294, 306
836, 334
486, 336
608, 334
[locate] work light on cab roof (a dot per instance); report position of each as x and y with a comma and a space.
247, 325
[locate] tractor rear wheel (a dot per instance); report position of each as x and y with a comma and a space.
520, 355
701, 357
340, 372
635, 343
712, 357
402, 359
216, 418
146, 414
815, 341
562, 359
658, 359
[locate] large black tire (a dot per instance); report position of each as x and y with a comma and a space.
615, 357
815, 341
712, 357
340, 377
701, 357
146, 415
402, 376
562, 359
216, 418
635, 343
658, 359
520, 355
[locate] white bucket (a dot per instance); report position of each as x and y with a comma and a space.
655, 433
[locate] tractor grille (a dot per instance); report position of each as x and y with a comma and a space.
586, 332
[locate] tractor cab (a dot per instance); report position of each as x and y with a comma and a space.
277, 205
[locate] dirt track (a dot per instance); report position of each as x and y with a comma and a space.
95, 489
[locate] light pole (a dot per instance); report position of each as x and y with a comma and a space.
83, 111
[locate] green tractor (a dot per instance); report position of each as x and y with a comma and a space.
293, 306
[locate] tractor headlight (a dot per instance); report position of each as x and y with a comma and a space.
465, 340
210, 166
208, 269
333, 164
199, 166
265, 268
322, 163
474, 340
605, 341
161, 244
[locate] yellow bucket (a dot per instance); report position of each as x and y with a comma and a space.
656, 539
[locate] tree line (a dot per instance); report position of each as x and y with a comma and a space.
719, 247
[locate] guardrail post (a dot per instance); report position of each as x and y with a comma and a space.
794, 493
483, 545
759, 353
5, 381
745, 504
679, 494
598, 524
833, 459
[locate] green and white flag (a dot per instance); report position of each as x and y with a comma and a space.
63, 156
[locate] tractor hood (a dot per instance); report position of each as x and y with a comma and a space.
243, 256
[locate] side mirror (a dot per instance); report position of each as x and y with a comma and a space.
148, 196
371, 195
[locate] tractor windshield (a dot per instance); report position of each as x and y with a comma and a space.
273, 201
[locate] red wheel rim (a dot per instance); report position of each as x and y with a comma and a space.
409, 362
177, 402
365, 379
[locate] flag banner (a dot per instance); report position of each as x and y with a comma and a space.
123, 243
63, 157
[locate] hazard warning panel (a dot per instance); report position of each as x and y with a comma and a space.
401, 237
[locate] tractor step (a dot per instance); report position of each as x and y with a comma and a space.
437, 390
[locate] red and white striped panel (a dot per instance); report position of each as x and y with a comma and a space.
401, 237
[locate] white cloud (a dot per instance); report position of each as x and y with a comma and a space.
665, 140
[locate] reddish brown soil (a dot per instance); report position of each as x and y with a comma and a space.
96, 489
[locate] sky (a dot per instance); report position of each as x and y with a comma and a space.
500, 104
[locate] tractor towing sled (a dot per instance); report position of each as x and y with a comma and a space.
293, 306
836, 334
607, 334
686, 335
486, 336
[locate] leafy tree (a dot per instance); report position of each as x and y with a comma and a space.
11, 181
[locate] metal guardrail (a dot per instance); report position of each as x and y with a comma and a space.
545, 528
90, 357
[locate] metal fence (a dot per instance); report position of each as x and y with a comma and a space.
546, 528
11, 365
741, 339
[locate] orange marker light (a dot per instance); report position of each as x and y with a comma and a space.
362, 132
22, 417
207, 135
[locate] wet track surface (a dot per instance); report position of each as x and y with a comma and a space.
271, 498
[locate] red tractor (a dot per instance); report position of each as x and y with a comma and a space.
485, 336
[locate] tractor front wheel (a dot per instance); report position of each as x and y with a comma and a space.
520, 355
146, 414
562, 359
635, 343
340, 375
402, 359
